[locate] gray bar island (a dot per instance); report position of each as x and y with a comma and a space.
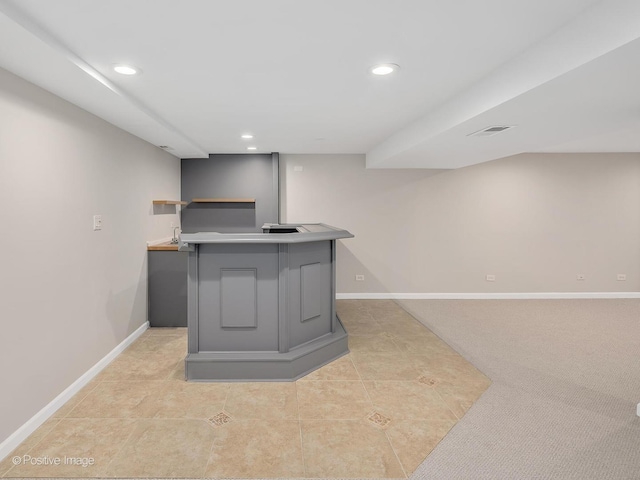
261, 306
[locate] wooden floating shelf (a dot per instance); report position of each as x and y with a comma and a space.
169, 202
224, 200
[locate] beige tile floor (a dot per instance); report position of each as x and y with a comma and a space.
375, 413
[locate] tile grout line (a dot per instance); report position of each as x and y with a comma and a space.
4, 475
304, 464
226, 397
213, 443
447, 405
98, 383
171, 373
395, 453
136, 420
362, 383
372, 319
133, 429
384, 430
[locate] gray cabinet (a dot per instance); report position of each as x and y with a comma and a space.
167, 288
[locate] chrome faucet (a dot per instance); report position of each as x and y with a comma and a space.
175, 238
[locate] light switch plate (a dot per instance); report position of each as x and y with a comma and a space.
97, 222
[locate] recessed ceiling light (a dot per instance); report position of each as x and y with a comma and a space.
251, 148
247, 135
384, 68
126, 69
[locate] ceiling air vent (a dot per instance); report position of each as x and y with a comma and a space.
489, 131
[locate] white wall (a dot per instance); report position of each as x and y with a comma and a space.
533, 220
68, 294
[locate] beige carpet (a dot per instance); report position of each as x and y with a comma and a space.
566, 382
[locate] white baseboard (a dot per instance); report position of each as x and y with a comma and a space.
484, 296
20, 435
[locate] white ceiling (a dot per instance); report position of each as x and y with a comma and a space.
295, 73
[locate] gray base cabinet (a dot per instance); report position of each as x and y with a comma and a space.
167, 288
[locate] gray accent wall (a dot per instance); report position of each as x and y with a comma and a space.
230, 176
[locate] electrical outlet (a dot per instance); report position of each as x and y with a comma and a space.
298, 168
622, 277
581, 276
490, 278
359, 278
97, 222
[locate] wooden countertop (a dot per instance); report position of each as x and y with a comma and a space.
166, 247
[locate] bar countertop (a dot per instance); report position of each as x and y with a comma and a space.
302, 233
